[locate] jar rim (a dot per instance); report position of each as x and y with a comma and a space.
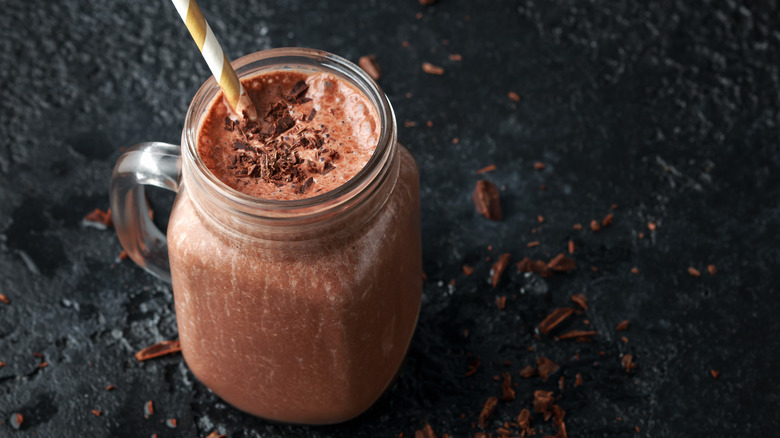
355, 189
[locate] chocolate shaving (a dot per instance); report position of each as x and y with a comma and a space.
159, 349
712, 269
369, 64
148, 409
607, 220
427, 2
524, 419
172, 423
110, 388
97, 412
553, 319
715, 374
576, 334
499, 267
628, 362
501, 302
514, 96
488, 168
623, 325
431, 69
425, 432
594, 225
467, 270
297, 92
546, 367
538, 165
580, 299
456, 57
571, 247
558, 414
487, 411
528, 371
578, 380
543, 401
473, 367
693, 272
507, 393
4, 299
487, 200
215, 434
561, 263
538, 266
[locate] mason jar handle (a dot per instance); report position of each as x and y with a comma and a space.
155, 164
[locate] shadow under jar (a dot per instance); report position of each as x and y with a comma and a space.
298, 311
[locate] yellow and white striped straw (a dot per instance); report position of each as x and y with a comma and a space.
215, 57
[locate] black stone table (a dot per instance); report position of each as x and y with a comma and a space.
667, 109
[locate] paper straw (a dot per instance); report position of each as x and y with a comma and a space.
215, 57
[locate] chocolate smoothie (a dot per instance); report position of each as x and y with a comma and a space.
306, 322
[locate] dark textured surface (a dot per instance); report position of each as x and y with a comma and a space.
668, 109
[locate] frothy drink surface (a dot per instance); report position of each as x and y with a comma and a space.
313, 133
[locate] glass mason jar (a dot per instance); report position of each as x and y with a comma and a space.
297, 311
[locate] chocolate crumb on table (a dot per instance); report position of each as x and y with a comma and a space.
712, 269
693, 272
576, 334
538, 165
148, 409
545, 367
528, 371
715, 374
628, 362
501, 302
487, 200
467, 270
554, 319
499, 267
543, 401
455, 57
159, 349
487, 411
4, 299
425, 432
370, 65
507, 393
594, 225
98, 219
514, 96
623, 325
581, 300
97, 412
488, 168
431, 69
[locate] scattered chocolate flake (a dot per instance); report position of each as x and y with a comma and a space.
487, 200
98, 219
533, 244
480, 434
148, 409
110, 388
577, 227
501, 302
473, 367
538, 266
487, 411
607, 221
594, 225
455, 140
431, 69
514, 96
571, 247
580, 299
418, 15
641, 235
560, 383
215, 434
576, 334
553, 319
425, 432
628, 362
578, 380
38, 355
467, 270
507, 393
499, 267
540, 218
123, 255
488, 168
623, 325
4, 299
715, 374
43, 364
16, 420
410, 124
693, 272
97, 412
561, 263
546, 367
2, 364
712, 269
371, 66
427, 2
158, 349
524, 419
651, 226
543, 401
456, 57
172, 423
429, 124
624, 339
528, 371
635, 270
